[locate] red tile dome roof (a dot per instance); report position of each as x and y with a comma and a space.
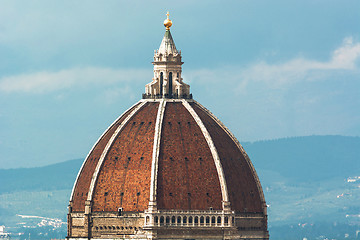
172, 153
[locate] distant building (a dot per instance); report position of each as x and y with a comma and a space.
167, 169
3, 234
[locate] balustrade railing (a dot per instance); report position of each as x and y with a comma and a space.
212, 218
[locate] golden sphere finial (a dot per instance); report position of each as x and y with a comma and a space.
167, 22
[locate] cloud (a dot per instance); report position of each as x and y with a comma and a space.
343, 58
294, 70
346, 56
44, 82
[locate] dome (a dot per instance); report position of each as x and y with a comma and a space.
178, 150
167, 168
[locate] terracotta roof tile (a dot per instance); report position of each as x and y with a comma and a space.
187, 177
124, 178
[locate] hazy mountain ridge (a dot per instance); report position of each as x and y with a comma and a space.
52, 177
312, 158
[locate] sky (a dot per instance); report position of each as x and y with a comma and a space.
266, 69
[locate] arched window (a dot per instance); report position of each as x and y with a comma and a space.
170, 84
161, 83
226, 220
219, 220
156, 219
207, 220
196, 220
190, 220
167, 220
173, 219
179, 220
161, 220
184, 220
147, 219
213, 220
201, 220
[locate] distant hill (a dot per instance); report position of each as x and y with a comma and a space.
306, 159
53, 177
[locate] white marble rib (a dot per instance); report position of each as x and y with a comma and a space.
155, 154
108, 145
214, 153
